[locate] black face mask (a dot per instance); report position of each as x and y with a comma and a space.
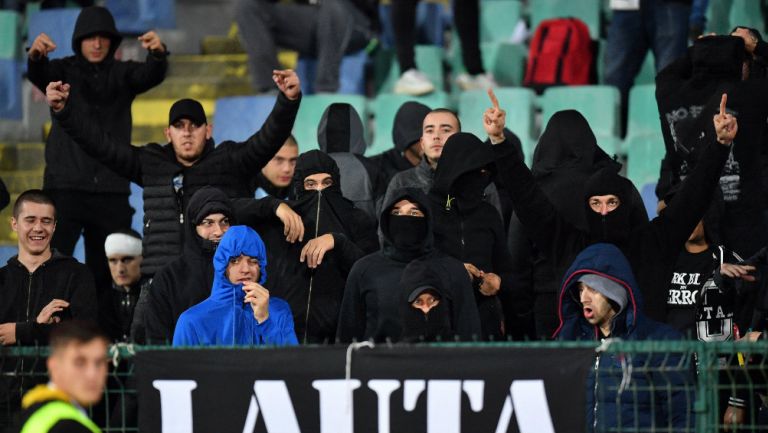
408, 233
613, 227
469, 189
433, 326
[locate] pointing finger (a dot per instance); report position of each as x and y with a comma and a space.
494, 100
723, 100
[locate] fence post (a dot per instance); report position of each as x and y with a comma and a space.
706, 395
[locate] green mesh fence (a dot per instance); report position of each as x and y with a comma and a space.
632, 377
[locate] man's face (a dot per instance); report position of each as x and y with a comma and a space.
279, 169
243, 269
125, 270
426, 301
436, 129
213, 227
188, 140
595, 307
80, 370
406, 208
603, 204
95, 47
317, 182
34, 226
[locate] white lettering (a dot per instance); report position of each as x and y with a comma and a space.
271, 398
383, 389
412, 389
678, 278
529, 402
336, 414
693, 279
175, 404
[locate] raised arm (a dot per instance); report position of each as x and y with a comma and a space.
144, 76
40, 70
99, 144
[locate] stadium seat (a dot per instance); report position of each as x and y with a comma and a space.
140, 16
718, 16
10, 89
747, 13
644, 155
384, 109
9, 34
516, 101
429, 59
498, 19
647, 74
351, 74
643, 111
238, 117
586, 10
155, 111
59, 24
648, 194
506, 61
598, 104
311, 111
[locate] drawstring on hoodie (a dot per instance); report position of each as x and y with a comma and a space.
312, 277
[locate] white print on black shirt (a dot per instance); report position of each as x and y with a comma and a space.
714, 315
682, 295
730, 179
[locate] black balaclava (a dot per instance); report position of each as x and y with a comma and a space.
718, 57
417, 326
408, 232
207, 201
408, 125
314, 162
615, 226
469, 188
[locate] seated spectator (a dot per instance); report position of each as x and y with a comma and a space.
599, 299
406, 137
41, 287
311, 274
118, 303
276, 176
173, 172
77, 367
370, 309
239, 311
325, 30
340, 134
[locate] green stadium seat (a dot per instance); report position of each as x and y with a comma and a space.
9, 35
506, 61
643, 111
498, 19
429, 60
746, 13
585, 10
516, 101
718, 16
598, 104
311, 111
644, 155
647, 74
384, 109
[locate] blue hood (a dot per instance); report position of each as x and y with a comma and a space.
236, 241
605, 260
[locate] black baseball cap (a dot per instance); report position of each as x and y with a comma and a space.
187, 109
415, 293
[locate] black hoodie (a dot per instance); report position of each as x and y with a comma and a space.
340, 134
566, 156
406, 131
371, 305
688, 93
466, 226
315, 295
185, 281
440, 323
105, 91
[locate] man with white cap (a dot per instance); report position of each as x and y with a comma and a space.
117, 304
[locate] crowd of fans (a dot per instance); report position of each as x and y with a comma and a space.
442, 238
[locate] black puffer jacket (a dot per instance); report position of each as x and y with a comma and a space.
25, 294
230, 167
104, 91
371, 305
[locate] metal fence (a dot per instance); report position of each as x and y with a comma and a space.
635, 374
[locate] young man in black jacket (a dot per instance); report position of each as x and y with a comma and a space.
91, 198
40, 286
171, 173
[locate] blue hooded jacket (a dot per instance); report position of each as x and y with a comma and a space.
631, 392
224, 318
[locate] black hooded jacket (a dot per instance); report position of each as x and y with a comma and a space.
406, 131
466, 226
315, 295
186, 281
104, 91
439, 324
25, 294
651, 248
230, 166
566, 156
370, 309
688, 94
340, 134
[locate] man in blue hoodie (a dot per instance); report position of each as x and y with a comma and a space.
599, 299
239, 311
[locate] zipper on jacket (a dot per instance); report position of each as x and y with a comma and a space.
312, 277
594, 410
29, 295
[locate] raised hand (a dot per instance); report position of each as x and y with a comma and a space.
41, 46
726, 125
293, 228
738, 271
151, 41
314, 251
494, 119
288, 83
46, 315
258, 297
56, 94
